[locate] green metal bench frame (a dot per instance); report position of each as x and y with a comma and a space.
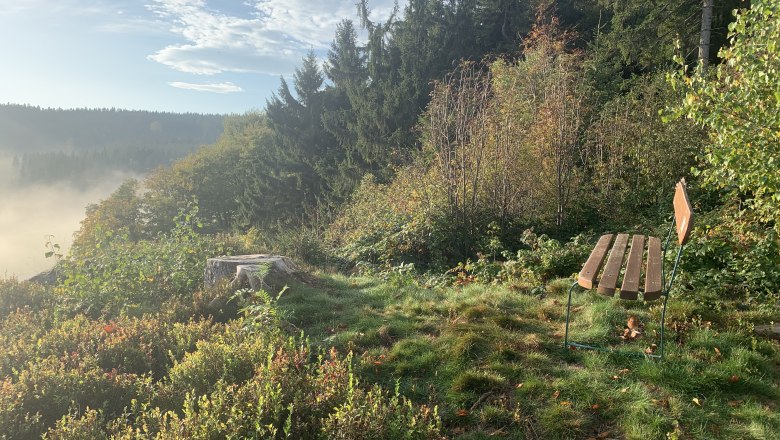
682, 221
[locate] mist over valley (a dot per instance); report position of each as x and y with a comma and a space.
54, 162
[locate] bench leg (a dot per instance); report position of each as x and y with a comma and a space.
568, 314
663, 319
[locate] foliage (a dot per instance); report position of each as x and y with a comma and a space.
121, 275
735, 256
16, 295
634, 158
259, 309
119, 212
739, 104
386, 225
540, 260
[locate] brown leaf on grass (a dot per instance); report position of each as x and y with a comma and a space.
633, 322
577, 309
556, 394
603, 435
595, 406
565, 402
735, 403
651, 349
717, 352
734, 378
624, 371
520, 385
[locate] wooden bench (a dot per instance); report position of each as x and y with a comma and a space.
605, 265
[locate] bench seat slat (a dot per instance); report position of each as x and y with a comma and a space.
653, 284
589, 272
630, 287
608, 281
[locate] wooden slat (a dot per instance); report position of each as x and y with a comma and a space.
608, 281
590, 270
683, 212
630, 286
653, 284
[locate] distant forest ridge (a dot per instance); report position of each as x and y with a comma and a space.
82, 146
25, 128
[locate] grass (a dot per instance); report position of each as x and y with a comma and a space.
491, 359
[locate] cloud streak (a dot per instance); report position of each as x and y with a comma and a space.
225, 87
270, 37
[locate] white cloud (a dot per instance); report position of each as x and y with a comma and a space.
226, 87
271, 37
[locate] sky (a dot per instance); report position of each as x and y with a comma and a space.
164, 55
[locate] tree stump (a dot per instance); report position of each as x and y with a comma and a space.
259, 271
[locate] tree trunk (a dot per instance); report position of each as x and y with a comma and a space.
704, 39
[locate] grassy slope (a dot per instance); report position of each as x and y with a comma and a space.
492, 360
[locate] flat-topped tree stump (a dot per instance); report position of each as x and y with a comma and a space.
259, 271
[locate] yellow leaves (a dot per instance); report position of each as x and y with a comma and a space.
696, 401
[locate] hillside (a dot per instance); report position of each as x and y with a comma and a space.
441, 184
83, 146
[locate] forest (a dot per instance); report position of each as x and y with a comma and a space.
440, 181
83, 146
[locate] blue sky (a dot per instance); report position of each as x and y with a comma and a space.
167, 55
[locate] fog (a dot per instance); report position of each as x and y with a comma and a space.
29, 214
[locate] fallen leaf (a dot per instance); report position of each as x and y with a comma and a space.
734, 378
633, 322
604, 434
565, 402
462, 413
624, 390
735, 403
520, 385
624, 371
595, 406
556, 394
556, 302
577, 309
717, 352
696, 401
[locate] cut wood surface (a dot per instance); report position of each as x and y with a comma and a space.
653, 283
589, 272
608, 281
630, 287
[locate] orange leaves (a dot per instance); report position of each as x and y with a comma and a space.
633, 329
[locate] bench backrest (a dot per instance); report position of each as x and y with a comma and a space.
683, 213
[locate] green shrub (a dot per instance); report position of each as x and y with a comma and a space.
734, 258
122, 275
386, 225
16, 295
49, 388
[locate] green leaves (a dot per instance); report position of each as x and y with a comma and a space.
740, 106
